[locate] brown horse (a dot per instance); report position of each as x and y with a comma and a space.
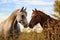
40, 17
48, 23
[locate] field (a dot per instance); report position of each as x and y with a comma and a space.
46, 34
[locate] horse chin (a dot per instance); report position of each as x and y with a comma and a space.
25, 26
30, 26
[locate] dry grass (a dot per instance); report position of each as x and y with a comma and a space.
46, 34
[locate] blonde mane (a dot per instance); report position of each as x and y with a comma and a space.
14, 13
6, 24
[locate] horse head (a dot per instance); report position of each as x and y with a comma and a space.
21, 17
34, 18
37, 17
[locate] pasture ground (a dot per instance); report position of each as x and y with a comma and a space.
46, 34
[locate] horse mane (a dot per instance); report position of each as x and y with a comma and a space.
45, 15
11, 17
13, 14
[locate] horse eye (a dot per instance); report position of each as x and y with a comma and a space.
22, 16
35, 17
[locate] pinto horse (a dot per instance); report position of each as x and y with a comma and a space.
40, 17
17, 16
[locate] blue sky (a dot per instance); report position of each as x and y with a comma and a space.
8, 6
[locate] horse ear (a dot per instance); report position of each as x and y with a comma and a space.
25, 9
22, 8
35, 9
32, 10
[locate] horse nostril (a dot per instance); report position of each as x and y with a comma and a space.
26, 26
30, 26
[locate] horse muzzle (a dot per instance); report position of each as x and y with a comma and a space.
25, 26
30, 26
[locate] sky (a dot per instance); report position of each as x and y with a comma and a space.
8, 6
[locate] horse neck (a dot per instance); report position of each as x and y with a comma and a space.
12, 16
46, 19
13, 25
9, 20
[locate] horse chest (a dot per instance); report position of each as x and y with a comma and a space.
4, 27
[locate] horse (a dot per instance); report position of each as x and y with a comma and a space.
42, 18
45, 21
11, 23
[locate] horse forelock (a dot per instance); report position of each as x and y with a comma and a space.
33, 15
24, 11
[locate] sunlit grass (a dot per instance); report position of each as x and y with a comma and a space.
46, 34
